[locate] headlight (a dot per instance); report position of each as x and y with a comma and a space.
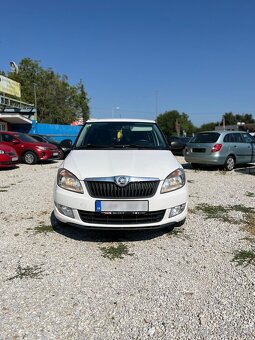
42, 148
2, 152
174, 181
68, 181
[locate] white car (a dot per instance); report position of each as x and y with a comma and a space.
121, 174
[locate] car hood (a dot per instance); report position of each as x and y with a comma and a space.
107, 163
6, 148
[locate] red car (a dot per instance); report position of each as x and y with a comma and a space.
29, 150
8, 156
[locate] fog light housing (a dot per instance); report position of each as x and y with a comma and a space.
177, 210
65, 210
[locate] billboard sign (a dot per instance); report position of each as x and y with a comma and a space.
10, 86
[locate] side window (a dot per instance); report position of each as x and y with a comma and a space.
233, 138
247, 138
238, 138
7, 138
227, 138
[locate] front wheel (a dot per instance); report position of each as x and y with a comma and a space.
229, 163
61, 154
30, 157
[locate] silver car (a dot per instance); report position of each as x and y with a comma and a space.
222, 148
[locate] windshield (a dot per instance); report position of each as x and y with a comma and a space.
25, 138
114, 135
50, 139
205, 137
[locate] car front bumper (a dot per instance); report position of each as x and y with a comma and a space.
46, 155
84, 205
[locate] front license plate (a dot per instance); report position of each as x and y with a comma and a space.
55, 153
122, 206
14, 159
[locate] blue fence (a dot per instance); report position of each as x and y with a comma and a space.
59, 132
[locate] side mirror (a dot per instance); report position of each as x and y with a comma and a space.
66, 143
176, 144
15, 141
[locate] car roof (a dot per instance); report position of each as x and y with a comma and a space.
222, 131
120, 120
12, 132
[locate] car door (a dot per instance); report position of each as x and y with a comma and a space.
243, 149
250, 142
238, 147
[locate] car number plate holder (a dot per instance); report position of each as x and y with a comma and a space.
14, 159
122, 207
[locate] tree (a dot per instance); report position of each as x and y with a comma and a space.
82, 102
208, 126
229, 118
173, 122
233, 119
57, 101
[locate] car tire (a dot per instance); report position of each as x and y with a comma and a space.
30, 157
230, 163
61, 154
194, 165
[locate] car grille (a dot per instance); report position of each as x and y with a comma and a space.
112, 190
126, 218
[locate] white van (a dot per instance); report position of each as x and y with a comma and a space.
121, 174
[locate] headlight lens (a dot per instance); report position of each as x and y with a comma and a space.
68, 181
2, 152
42, 148
174, 181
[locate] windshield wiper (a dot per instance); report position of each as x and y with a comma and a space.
132, 146
114, 146
91, 146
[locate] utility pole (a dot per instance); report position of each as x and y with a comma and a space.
35, 103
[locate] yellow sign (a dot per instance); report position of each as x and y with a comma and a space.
10, 86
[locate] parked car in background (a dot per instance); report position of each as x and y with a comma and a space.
63, 149
121, 174
177, 144
222, 148
8, 156
28, 149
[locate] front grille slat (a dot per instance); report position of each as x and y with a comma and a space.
121, 219
141, 189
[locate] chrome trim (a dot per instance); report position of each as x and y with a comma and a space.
113, 179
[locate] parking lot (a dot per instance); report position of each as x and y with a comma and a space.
196, 282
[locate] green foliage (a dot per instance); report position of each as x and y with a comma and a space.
57, 101
207, 127
233, 119
117, 252
175, 123
244, 257
27, 272
44, 229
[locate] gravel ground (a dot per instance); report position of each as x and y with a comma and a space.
60, 283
